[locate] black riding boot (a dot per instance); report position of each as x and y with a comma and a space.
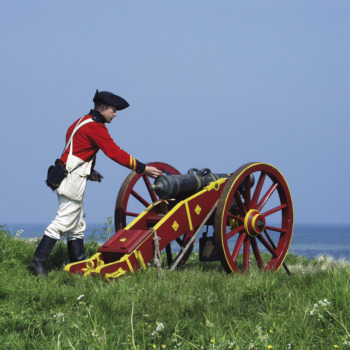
40, 256
76, 250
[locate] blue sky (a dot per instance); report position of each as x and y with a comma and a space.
210, 84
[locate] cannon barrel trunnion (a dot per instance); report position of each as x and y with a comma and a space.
248, 216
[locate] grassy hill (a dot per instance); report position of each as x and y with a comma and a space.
198, 307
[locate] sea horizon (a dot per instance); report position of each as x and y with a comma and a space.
309, 239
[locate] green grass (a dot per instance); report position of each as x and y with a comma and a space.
199, 307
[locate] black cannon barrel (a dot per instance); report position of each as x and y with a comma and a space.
176, 186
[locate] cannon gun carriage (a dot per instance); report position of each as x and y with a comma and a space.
249, 213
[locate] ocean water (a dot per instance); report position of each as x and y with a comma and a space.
312, 240
309, 240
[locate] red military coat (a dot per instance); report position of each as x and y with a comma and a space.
94, 136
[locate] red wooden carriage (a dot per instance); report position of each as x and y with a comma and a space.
248, 212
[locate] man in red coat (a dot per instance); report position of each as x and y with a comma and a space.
83, 140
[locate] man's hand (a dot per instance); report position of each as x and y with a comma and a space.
152, 171
95, 176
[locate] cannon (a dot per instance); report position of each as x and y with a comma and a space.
247, 215
182, 186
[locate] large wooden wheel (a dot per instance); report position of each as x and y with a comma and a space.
254, 217
135, 196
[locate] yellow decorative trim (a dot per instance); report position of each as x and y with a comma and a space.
126, 258
87, 272
89, 263
138, 218
189, 215
139, 259
97, 257
198, 209
246, 219
120, 272
254, 221
168, 216
215, 185
122, 259
132, 163
175, 226
122, 240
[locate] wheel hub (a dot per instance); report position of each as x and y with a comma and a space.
254, 223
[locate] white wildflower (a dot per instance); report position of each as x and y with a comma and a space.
18, 233
80, 297
209, 324
260, 335
319, 305
231, 344
59, 317
159, 328
251, 345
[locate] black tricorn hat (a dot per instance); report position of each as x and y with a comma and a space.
110, 99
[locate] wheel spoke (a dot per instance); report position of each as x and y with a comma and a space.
277, 229
267, 245
236, 230
128, 213
270, 240
238, 246
267, 196
258, 189
235, 217
246, 253
140, 199
153, 195
274, 210
257, 253
247, 187
240, 203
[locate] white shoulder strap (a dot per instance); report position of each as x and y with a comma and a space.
77, 127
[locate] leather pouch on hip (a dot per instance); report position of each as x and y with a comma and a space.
55, 174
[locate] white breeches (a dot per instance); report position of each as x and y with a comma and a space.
69, 220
